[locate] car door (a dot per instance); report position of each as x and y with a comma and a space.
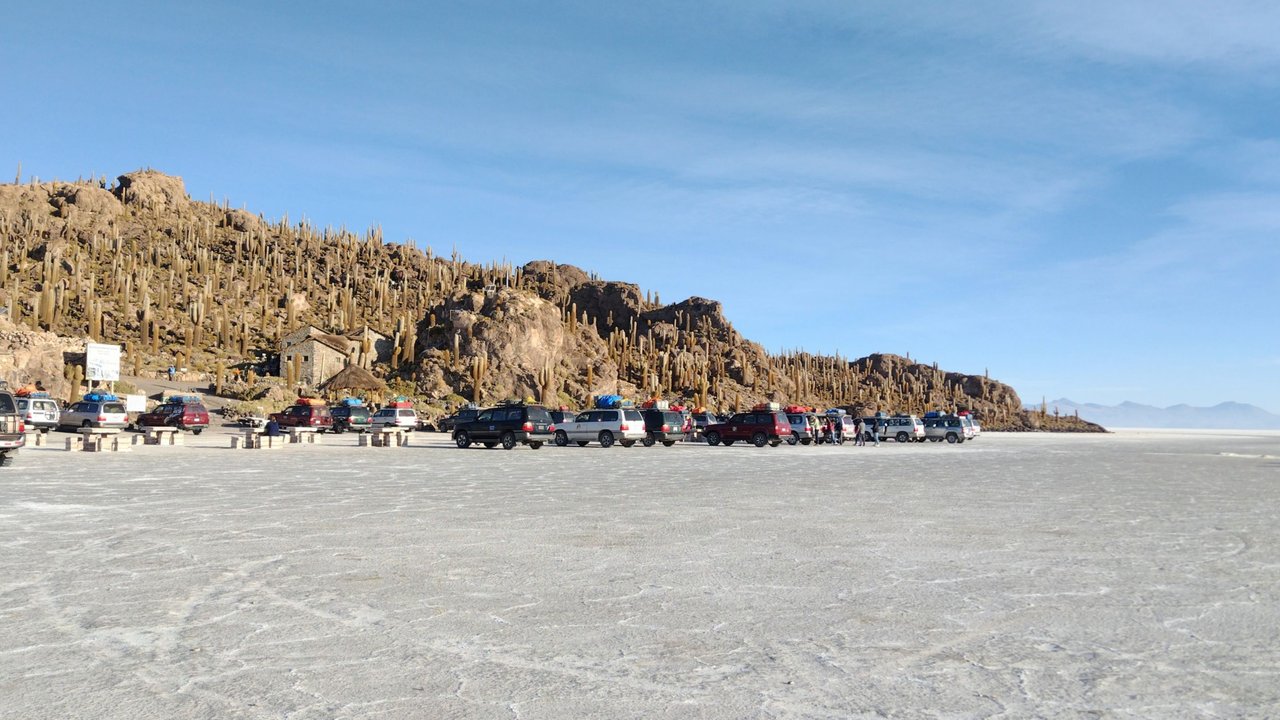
482, 428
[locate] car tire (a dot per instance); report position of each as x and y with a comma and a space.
902, 437
952, 438
606, 439
535, 444
462, 439
806, 441
196, 431
793, 439
775, 443
648, 440
582, 443
759, 439
86, 424
490, 444
668, 443
726, 442
7, 459
713, 438
562, 438
508, 441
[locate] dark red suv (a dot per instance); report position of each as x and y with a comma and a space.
312, 416
184, 416
757, 427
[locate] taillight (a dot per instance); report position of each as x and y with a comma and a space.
666, 428
22, 426
551, 428
624, 427
527, 426
102, 418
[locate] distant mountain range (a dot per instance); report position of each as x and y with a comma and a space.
1227, 415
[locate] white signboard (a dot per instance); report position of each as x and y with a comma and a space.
101, 362
135, 403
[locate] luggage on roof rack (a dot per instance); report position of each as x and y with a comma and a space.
351, 402
608, 402
310, 401
768, 406
183, 399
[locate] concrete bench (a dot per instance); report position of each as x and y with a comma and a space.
161, 435
304, 435
98, 440
257, 440
384, 437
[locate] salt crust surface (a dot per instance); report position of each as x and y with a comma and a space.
1134, 575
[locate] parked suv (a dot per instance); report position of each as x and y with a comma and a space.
624, 426
350, 417
758, 427
312, 416
39, 412
508, 425
404, 418
466, 414
12, 428
951, 428
804, 428
184, 416
662, 426
94, 413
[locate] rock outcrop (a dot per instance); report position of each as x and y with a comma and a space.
184, 282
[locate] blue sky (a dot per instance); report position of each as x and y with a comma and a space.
1083, 198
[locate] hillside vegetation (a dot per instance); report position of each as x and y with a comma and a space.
202, 285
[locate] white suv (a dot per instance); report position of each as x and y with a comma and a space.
403, 418
624, 426
40, 412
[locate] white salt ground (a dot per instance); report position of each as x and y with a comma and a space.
1134, 575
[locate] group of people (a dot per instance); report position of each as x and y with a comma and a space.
831, 430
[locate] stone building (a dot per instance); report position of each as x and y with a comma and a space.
322, 355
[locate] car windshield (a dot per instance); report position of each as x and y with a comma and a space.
113, 407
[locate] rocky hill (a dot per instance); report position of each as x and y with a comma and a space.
177, 281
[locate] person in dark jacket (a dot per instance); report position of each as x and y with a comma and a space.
272, 428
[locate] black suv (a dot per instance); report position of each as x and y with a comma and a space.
508, 425
350, 417
664, 426
466, 414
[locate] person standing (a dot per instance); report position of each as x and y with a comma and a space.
879, 430
860, 440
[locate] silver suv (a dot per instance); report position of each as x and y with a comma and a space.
804, 428
605, 426
403, 418
95, 414
39, 412
951, 428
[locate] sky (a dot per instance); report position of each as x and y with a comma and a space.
1082, 199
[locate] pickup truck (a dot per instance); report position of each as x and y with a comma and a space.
624, 426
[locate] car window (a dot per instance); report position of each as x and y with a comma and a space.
406, 413
539, 415
583, 417
6, 404
112, 407
485, 415
633, 415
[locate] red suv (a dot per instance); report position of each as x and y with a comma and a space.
184, 416
758, 426
312, 416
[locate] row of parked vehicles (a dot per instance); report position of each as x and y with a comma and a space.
519, 423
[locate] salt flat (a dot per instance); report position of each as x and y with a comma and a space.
1134, 575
